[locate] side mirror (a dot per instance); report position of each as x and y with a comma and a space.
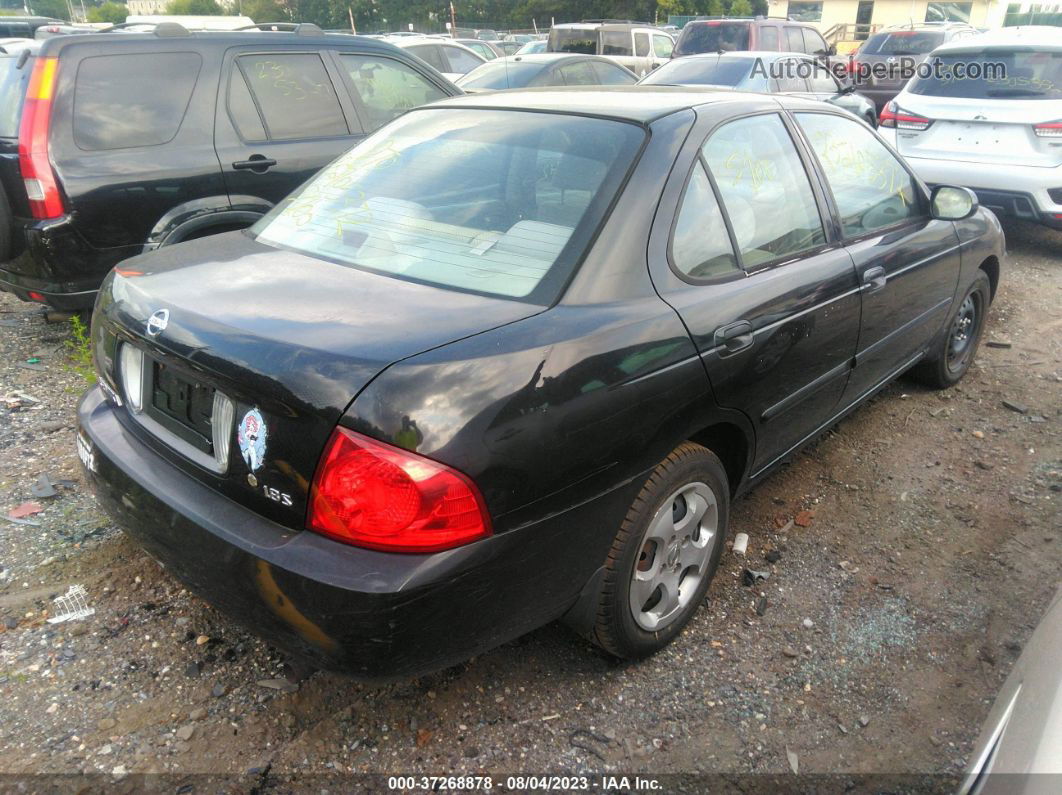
950, 203
832, 50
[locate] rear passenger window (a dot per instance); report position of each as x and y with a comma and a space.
769, 39
872, 190
578, 74
794, 40
118, 103
295, 95
789, 76
461, 62
244, 114
612, 75
387, 88
616, 43
700, 244
765, 190
641, 44
430, 54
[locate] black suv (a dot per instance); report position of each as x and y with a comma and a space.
112, 144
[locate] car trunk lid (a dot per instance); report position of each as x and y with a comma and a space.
979, 130
290, 339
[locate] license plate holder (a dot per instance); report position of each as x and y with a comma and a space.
181, 404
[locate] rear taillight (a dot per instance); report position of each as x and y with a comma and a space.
44, 198
1052, 129
371, 494
892, 115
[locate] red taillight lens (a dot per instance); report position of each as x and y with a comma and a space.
374, 495
1052, 129
892, 115
44, 198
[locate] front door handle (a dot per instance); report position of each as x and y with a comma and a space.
259, 164
734, 337
874, 279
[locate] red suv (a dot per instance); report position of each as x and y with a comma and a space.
759, 33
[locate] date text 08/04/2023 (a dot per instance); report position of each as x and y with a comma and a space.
519, 783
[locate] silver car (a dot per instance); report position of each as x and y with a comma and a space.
764, 72
999, 133
1019, 751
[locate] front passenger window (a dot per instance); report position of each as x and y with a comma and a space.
700, 245
872, 190
765, 190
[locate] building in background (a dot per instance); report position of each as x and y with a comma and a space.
883, 13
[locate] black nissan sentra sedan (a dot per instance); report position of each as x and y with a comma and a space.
510, 360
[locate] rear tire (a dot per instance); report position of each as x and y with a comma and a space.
954, 352
664, 555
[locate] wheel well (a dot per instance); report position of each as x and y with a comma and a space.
991, 267
729, 443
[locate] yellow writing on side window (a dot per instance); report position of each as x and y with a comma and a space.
845, 161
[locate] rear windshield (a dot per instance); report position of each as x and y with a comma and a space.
495, 202
573, 40
707, 71
903, 42
499, 74
713, 37
12, 90
993, 75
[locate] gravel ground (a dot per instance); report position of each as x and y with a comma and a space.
933, 543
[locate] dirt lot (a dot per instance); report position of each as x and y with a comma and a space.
890, 620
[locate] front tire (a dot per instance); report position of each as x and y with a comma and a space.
952, 355
664, 555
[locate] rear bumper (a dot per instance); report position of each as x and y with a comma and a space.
1015, 191
57, 266
371, 614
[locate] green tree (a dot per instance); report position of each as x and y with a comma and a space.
195, 8
114, 13
740, 8
266, 10
56, 9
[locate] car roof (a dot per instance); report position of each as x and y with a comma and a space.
550, 57
1027, 35
55, 44
748, 55
640, 104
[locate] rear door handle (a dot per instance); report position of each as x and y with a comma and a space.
734, 337
257, 163
874, 279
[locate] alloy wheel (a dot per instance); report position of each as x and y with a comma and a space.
674, 556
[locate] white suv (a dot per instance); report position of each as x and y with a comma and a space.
997, 130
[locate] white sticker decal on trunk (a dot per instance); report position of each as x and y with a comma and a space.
251, 436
